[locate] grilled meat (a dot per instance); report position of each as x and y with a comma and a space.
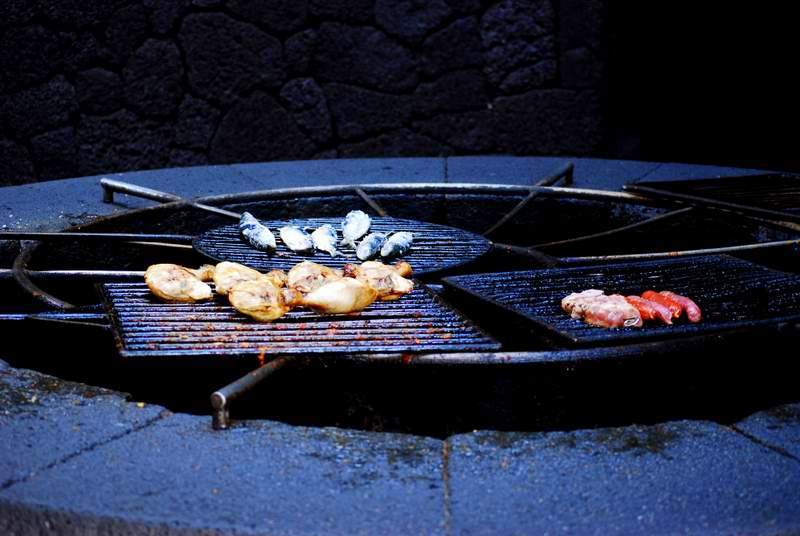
650, 310
355, 225
597, 309
691, 309
172, 282
262, 299
308, 276
227, 274
205, 272
674, 307
385, 279
344, 295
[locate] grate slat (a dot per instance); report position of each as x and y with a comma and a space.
418, 322
732, 293
436, 247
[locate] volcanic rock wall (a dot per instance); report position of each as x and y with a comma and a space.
94, 86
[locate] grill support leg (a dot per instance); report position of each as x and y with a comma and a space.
221, 399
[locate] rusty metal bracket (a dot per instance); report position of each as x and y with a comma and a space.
368, 199
221, 399
565, 172
20, 272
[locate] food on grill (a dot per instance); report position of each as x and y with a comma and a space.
262, 299
296, 239
205, 272
397, 244
227, 274
325, 238
650, 310
172, 282
691, 309
355, 225
388, 281
674, 307
256, 233
308, 276
370, 246
344, 295
597, 309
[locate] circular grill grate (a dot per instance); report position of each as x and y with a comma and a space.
435, 248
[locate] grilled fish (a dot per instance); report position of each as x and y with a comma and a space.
296, 239
324, 238
397, 244
370, 246
256, 233
355, 225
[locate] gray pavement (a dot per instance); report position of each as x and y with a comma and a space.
76, 459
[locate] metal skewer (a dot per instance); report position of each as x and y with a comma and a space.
112, 186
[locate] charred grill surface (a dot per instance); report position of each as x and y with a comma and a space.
732, 293
774, 192
419, 322
435, 248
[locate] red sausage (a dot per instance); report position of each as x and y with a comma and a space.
674, 307
650, 310
692, 310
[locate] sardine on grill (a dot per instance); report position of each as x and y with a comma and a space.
325, 238
397, 244
296, 239
355, 225
370, 246
256, 233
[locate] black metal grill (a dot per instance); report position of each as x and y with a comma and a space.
435, 248
420, 321
732, 293
778, 192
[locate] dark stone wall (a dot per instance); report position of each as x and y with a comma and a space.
95, 86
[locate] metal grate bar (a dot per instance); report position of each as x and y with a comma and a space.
732, 293
436, 247
417, 322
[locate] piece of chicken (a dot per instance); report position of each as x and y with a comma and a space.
205, 272
387, 280
176, 283
308, 276
344, 295
262, 299
227, 274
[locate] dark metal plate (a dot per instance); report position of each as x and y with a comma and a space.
420, 321
732, 293
436, 247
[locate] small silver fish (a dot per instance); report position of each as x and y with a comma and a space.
370, 246
324, 238
256, 233
296, 239
355, 225
397, 244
